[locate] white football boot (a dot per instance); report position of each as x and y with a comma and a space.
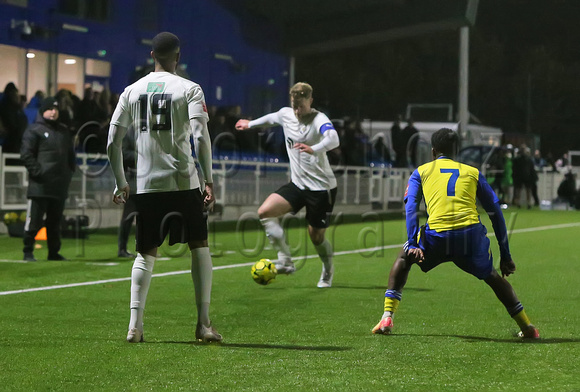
207, 334
326, 276
285, 267
135, 336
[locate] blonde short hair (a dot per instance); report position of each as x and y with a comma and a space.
301, 90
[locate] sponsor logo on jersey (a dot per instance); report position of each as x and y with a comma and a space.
407, 190
155, 87
204, 106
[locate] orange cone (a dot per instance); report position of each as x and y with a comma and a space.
41, 235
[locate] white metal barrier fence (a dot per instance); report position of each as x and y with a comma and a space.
238, 183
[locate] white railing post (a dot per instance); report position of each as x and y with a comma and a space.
345, 185
257, 183
357, 187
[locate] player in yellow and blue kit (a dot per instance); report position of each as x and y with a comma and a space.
453, 231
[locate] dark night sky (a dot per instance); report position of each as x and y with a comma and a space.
524, 64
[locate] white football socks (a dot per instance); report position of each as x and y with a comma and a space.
201, 273
140, 282
275, 234
324, 250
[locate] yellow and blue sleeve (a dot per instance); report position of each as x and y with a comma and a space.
490, 203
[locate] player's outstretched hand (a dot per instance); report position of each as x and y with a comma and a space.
208, 197
415, 255
120, 196
303, 148
242, 125
507, 267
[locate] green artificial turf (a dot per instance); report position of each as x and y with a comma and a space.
451, 333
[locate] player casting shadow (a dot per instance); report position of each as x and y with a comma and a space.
104, 260
513, 340
351, 287
263, 346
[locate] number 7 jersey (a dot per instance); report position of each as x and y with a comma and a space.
450, 190
159, 106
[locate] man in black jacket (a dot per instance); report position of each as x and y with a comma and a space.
48, 154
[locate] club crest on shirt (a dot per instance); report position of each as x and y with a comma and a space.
155, 87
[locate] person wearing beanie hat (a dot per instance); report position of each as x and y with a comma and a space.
47, 104
48, 154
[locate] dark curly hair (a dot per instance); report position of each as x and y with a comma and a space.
445, 141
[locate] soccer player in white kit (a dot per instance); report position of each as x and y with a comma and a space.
308, 134
166, 110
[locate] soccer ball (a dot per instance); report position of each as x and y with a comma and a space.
264, 272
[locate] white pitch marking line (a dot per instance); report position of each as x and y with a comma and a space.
221, 267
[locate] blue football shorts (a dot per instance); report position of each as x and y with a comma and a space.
468, 248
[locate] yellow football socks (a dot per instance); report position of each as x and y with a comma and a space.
392, 299
522, 319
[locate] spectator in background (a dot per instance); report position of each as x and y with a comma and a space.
66, 115
494, 174
90, 110
88, 107
562, 163
399, 145
524, 175
531, 177
354, 143
380, 151
13, 119
567, 189
47, 152
92, 120
405, 143
412, 137
539, 162
104, 103
506, 181
550, 162
36, 101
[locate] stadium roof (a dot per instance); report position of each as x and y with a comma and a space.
314, 26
